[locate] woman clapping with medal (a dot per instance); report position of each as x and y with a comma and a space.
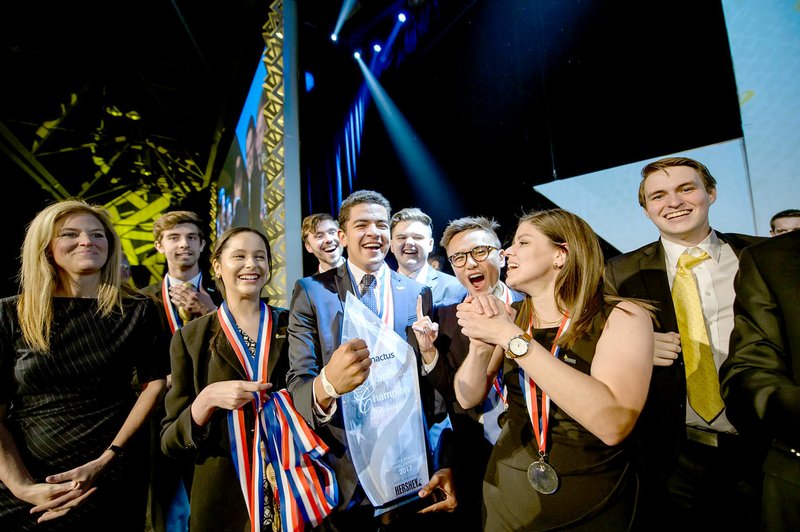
577, 367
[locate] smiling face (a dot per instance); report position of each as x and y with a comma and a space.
366, 235
181, 245
243, 266
677, 203
476, 277
411, 245
80, 245
533, 260
324, 244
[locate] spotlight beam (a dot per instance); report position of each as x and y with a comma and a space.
347, 6
424, 174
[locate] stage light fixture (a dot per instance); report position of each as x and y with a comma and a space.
401, 17
357, 54
376, 47
334, 37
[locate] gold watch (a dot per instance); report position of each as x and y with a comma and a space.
518, 346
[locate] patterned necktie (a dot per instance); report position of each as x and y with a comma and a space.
185, 315
702, 382
368, 293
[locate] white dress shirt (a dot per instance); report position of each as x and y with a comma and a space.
715, 286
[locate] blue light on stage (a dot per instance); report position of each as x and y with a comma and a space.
357, 54
334, 37
376, 47
401, 17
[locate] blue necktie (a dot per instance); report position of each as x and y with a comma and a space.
368, 293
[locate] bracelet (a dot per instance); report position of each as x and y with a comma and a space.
117, 450
327, 386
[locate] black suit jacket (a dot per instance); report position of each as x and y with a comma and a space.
201, 355
761, 376
315, 332
643, 274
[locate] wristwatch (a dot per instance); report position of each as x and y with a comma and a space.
117, 450
327, 386
518, 346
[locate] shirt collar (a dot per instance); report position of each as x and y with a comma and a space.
194, 280
710, 244
421, 275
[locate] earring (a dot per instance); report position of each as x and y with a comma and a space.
556, 266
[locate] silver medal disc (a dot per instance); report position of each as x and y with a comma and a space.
543, 477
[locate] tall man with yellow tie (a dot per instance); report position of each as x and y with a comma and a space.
695, 470
183, 294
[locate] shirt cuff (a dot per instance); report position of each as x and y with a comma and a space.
427, 368
320, 416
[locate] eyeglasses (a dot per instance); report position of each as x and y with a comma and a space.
478, 254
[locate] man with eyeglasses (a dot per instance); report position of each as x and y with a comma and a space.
474, 251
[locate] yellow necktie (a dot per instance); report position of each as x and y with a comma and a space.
702, 382
185, 315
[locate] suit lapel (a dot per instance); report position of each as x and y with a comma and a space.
653, 271
399, 302
275, 343
225, 349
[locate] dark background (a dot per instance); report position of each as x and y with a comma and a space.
504, 94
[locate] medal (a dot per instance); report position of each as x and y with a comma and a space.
543, 477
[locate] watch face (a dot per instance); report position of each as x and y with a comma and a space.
518, 346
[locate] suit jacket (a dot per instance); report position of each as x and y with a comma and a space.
761, 376
643, 274
201, 355
315, 332
446, 288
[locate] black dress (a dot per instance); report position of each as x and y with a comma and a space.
597, 487
66, 406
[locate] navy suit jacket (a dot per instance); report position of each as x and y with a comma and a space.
761, 376
446, 288
643, 274
315, 332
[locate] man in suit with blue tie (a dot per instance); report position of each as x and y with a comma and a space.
412, 242
322, 368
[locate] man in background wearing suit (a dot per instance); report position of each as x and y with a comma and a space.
412, 241
320, 235
761, 377
182, 295
692, 466
322, 368
784, 222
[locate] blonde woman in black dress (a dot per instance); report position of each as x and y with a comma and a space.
72, 455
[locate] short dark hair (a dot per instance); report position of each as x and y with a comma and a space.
359, 197
410, 214
788, 213
670, 162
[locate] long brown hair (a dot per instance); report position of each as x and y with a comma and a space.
579, 283
38, 276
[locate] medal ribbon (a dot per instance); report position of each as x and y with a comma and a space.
307, 487
173, 318
540, 424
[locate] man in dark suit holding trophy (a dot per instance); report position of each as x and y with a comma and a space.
323, 368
